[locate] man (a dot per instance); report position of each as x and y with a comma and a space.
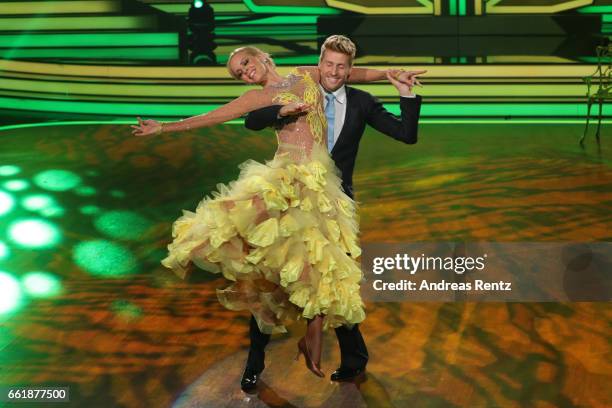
348, 111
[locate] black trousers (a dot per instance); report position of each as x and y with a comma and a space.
353, 351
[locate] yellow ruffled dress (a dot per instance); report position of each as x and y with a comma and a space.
284, 232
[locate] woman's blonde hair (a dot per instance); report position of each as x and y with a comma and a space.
341, 44
252, 51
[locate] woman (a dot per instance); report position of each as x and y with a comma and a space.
284, 232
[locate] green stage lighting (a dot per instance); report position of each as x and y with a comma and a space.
57, 180
126, 310
36, 202
89, 210
53, 211
9, 170
5, 336
16, 185
41, 284
122, 225
10, 293
198, 4
5, 252
104, 258
85, 191
7, 202
34, 233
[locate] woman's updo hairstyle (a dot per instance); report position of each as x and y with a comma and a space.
252, 51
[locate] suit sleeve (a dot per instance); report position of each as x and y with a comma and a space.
263, 118
403, 129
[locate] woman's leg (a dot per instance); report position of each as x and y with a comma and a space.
311, 344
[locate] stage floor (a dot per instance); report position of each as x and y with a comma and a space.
85, 214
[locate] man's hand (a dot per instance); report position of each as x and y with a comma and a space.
404, 81
293, 108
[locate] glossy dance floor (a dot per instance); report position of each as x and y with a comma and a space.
85, 213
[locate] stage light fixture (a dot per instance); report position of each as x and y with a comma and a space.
200, 35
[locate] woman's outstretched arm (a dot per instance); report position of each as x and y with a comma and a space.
361, 75
250, 100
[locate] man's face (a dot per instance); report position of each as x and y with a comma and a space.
335, 68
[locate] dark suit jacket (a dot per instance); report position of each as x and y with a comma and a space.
362, 109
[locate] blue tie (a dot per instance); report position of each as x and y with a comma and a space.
330, 112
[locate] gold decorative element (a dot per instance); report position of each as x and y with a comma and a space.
315, 117
312, 96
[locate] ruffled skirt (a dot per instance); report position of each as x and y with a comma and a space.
285, 234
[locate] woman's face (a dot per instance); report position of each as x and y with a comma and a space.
248, 68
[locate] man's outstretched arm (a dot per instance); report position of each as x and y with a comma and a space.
405, 128
263, 118
275, 115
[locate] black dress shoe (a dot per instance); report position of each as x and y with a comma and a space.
249, 379
348, 374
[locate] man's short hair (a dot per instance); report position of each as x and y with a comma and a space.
341, 44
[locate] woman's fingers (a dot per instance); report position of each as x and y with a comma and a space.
144, 127
414, 73
140, 129
303, 107
411, 80
295, 108
394, 72
392, 79
406, 75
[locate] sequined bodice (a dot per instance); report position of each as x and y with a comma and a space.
298, 136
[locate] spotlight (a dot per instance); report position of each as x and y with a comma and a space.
201, 33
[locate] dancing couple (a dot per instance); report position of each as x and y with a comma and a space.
286, 232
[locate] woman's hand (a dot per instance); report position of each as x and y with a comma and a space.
293, 108
404, 81
406, 77
147, 127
